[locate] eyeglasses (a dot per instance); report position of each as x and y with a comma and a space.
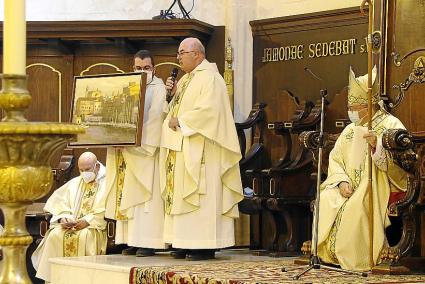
181, 53
145, 68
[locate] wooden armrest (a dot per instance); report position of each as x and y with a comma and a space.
256, 115
250, 205
252, 154
400, 143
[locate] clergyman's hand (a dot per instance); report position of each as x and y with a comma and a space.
345, 189
371, 139
173, 123
67, 223
170, 84
81, 224
65, 220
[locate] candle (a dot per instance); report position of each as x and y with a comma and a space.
14, 37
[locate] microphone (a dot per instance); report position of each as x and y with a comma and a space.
173, 76
323, 91
312, 74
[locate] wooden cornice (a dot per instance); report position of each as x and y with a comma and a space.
139, 29
293, 23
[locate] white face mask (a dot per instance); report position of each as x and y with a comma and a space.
149, 76
88, 176
353, 115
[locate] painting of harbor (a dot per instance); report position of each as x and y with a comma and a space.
107, 106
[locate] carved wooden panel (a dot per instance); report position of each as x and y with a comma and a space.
405, 43
276, 143
327, 43
54, 70
336, 112
164, 66
405, 68
49, 83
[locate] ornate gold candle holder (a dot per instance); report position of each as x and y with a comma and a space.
26, 149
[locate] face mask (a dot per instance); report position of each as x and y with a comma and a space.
88, 176
149, 76
354, 116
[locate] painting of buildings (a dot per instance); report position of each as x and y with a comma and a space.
108, 107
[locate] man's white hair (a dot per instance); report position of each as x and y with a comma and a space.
87, 157
196, 44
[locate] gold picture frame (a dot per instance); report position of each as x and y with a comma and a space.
110, 107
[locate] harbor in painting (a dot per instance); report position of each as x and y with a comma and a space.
108, 107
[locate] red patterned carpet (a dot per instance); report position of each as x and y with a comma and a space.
252, 272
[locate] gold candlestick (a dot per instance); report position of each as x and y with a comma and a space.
26, 149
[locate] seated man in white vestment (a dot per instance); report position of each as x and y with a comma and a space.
133, 174
199, 159
343, 231
77, 227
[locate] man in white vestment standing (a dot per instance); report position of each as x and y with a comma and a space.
77, 227
133, 174
199, 160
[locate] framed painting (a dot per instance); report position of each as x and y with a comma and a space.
110, 107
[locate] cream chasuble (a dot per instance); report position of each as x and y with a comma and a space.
133, 179
77, 200
343, 225
199, 163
